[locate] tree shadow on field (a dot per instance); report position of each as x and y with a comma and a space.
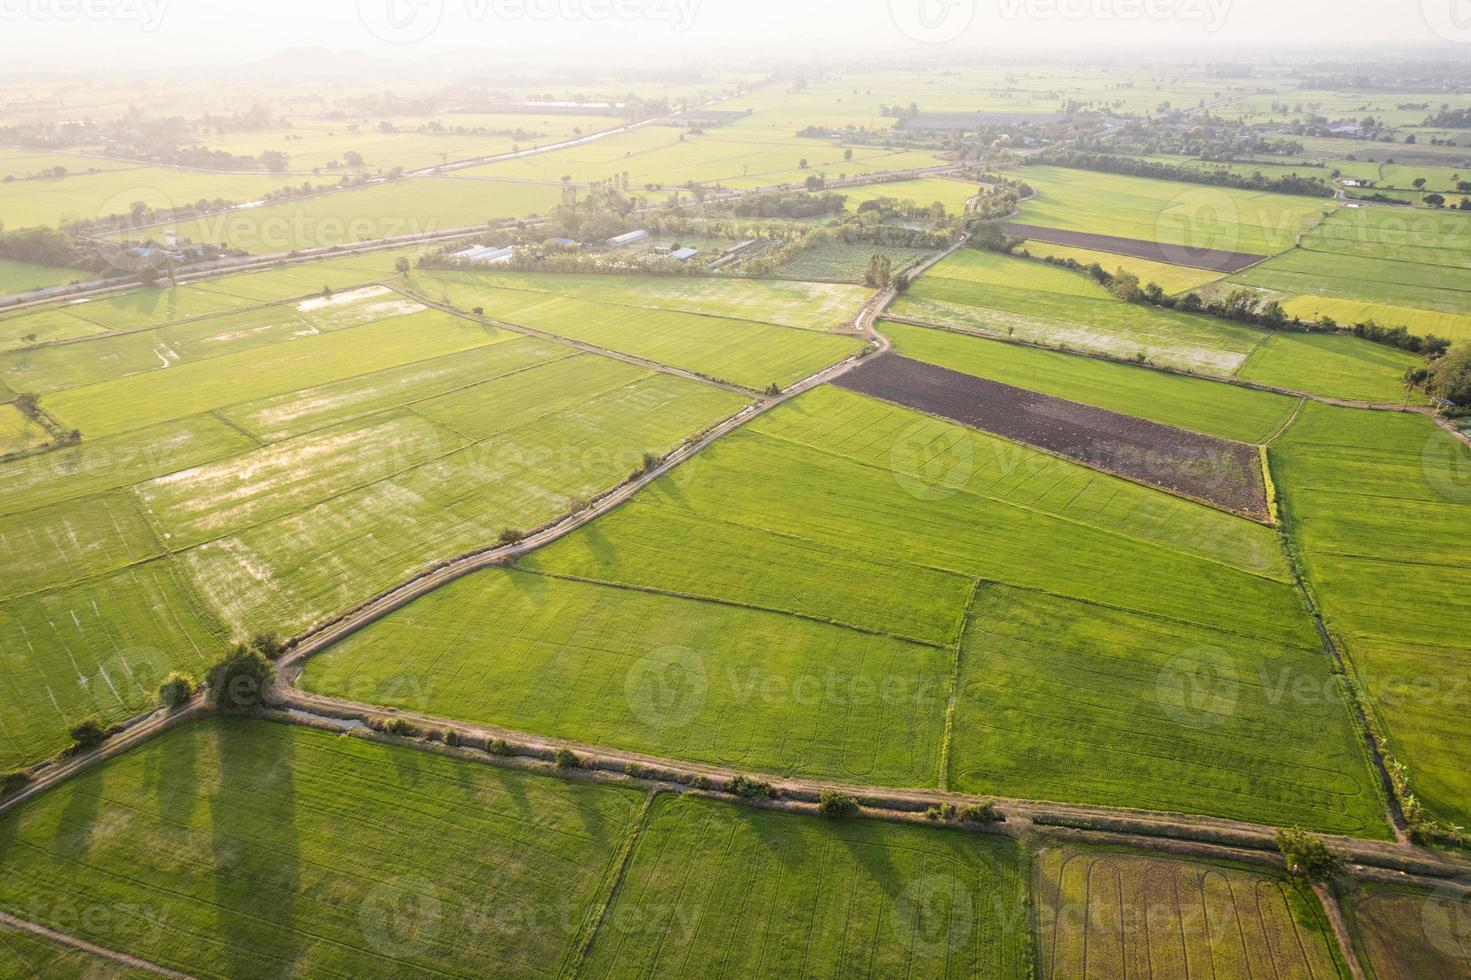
256, 850
172, 778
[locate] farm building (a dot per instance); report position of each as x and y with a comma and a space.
484, 255
628, 237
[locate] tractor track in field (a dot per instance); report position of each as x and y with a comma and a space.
64, 939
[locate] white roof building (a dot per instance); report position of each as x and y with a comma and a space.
484, 255
628, 238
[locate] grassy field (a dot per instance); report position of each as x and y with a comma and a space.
892, 532
1452, 326
24, 956
1019, 299
86, 197
1333, 365
953, 194
1163, 211
586, 661
265, 468
120, 404
1403, 934
236, 848
19, 433
1045, 678
1395, 267
1172, 278
1191, 403
743, 352
1115, 913
729, 890
837, 262
18, 277
413, 205
155, 307
811, 305
1377, 503
98, 646
1031, 301
321, 142
671, 158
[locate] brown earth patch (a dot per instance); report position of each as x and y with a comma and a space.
1195, 258
1209, 469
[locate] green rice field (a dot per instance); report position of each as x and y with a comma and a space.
1332, 365
231, 847
252, 466
779, 895
1376, 502
1189, 215
743, 352
893, 533
1011, 298
1228, 411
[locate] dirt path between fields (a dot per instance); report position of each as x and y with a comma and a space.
1157, 829
1329, 901
86, 947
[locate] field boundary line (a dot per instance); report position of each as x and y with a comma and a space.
948, 730
1340, 930
61, 938
730, 603
1425, 410
1344, 667
1146, 828
618, 866
581, 345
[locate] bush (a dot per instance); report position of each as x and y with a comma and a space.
511, 535
837, 805
567, 759
401, 727
981, 813
498, 746
451, 738
239, 682
268, 645
176, 689
1307, 856
14, 782
88, 733
751, 789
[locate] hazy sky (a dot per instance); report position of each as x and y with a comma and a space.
35, 33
